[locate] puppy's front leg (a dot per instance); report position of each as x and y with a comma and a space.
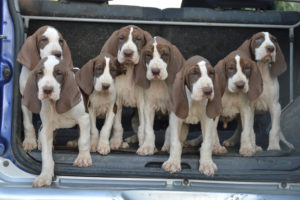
217, 147
103, 144
84, 157
247, 147
275, 134
45, 178
207, 166
94, 130
173, 164
29, 142
117, 137
148, 145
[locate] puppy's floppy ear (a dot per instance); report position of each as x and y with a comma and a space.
67, 55
85, 77
111, 45
280, 65
29, 55
220, 72
147, 37
140, 71
214, 107
175, 64
30, 98
69, 94
180, 105
246, 48
255, 83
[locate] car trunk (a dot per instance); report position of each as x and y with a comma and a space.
195, 31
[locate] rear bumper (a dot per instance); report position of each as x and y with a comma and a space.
16, 184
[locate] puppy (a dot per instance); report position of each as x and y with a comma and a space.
265, 50
241, 84
126, 44
45, 41
97, 79
159, 63
196, 96
51, 90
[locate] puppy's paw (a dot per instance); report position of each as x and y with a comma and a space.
230, 142
258, 149
42, 181
192, 143
172, 166
83, 160
219, 149
208, 168
72, 143
94, 146
115, 143
103, 148
146, 150
166, 147
132, 139
29, 144
124, 145
274, 147
247, 150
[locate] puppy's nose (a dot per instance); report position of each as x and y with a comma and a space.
240, 84
270, 48
47, 89
128, 52
207, 90
155, 71
105, 86
57, 54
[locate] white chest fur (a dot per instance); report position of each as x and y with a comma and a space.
102, 102
158, 95
126, 89
270, 92
232, 104
55, 120
197, 109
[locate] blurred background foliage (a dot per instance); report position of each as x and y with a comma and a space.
287, 6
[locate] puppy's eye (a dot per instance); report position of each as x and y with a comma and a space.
59, 72
61, 42
98, 69
138, 39
40, 73
165, 56
148, 56
247, 68
211, 74
231, 68
113, 70
44, 39
259, 39
121, 38
274, 40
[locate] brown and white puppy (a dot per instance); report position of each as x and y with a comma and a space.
196, 96
126, 44
241, 84
45, 41
265, 50
97, 80
51, 91
156, 71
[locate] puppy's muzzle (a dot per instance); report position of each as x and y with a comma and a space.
155, 71
47, 90
105, 86
128, 52
270, 49
56, 53
240, 84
